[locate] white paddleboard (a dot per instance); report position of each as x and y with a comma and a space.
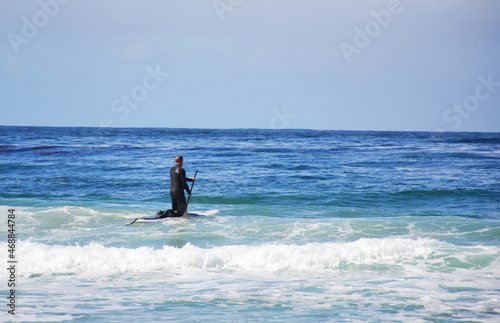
191, 214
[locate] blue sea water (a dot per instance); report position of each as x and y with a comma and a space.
322, 226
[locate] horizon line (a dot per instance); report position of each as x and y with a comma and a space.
249, 128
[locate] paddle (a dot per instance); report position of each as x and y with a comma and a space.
186, 215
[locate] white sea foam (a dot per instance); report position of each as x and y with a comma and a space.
40, 259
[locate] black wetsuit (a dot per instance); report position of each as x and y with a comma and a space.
177, 186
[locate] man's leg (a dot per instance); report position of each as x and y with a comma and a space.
175, 204
179, 204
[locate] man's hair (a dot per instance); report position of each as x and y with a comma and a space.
178, 159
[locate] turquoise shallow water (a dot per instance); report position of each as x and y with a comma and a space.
333, 226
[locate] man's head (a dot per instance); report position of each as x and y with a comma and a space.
179, 160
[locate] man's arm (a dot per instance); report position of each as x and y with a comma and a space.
184, 179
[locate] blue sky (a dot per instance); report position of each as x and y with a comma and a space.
343, 65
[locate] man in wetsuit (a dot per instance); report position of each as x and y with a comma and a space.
178, 184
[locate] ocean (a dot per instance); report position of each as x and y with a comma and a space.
313, 226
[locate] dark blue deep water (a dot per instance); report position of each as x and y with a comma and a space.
336, 226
